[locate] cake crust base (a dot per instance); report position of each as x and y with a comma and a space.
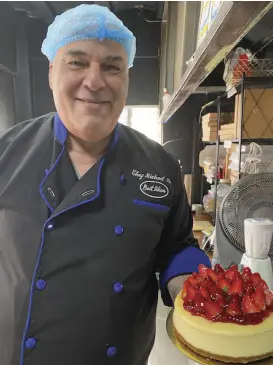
242, 360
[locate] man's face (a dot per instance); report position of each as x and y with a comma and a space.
89, 81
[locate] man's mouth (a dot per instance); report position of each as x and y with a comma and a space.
91, 101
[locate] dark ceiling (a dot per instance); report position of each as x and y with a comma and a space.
47, 10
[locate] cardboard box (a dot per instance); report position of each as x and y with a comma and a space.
258, 114
228, 132
210, 125
210, 137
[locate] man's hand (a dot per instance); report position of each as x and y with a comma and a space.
175, 285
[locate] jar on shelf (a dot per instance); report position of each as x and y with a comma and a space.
209, 200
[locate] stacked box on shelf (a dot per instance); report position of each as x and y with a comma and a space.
227, 132
209, 125
226, 129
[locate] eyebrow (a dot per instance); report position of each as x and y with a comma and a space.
114, 58
110, 58
76, 52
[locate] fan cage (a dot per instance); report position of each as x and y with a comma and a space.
251, 197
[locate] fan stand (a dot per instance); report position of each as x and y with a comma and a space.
224, 253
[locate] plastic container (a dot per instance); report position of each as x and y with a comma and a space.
166, 98
209, 201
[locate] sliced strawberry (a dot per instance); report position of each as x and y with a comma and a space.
185, 286
220, 276
191, 292
219, 299
186, 282
200, 278
248, 305
237, 286
202, 269
237, 275
189, 306
218, 269
206, 283
199, 302
212, 310
249, 288
234, 307
213, 289
263, 285
204, 292
193, 280
256, 279
212, 275
185, 289
232, 268
246, 274
259, 299
268, 297
267, 293
232, 272
224, 284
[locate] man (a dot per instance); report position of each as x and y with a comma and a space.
90, 210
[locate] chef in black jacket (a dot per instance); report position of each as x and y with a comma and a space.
90, 211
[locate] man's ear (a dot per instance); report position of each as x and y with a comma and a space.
50, 74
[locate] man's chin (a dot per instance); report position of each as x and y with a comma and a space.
91, 120
92, 136
92, 129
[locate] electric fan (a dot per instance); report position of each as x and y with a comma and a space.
244, 225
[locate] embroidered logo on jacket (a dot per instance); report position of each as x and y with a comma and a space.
154, 189
148, 175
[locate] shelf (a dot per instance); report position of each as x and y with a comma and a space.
220, 142
234, 20
254, 83
261, 141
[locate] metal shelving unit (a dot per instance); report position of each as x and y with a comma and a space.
241, 87
219, 103
234, 20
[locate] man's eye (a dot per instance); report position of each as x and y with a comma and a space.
112, 68
77, 64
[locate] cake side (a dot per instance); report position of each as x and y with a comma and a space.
223, 341
221, 358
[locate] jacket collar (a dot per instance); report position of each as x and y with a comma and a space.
60, 132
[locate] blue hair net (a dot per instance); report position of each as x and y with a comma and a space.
88, 22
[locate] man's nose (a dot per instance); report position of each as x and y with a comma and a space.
94, 78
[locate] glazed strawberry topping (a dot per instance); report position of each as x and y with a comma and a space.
228, 296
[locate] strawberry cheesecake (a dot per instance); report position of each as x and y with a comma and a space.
225, 315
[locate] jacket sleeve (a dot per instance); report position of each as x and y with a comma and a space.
178, 252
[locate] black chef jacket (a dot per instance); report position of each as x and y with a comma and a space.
79, 257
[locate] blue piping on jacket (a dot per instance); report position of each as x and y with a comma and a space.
152, 205
60, 133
